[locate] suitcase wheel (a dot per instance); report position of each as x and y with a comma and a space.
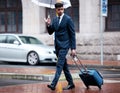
87, 87
99, 87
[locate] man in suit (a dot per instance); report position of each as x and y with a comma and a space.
64, 30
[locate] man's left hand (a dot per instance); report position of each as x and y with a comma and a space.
73, 52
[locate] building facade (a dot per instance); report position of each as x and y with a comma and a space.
23, 16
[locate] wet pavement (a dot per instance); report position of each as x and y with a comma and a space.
109, 86
42, 88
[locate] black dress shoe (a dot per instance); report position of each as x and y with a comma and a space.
69, 87
51, 87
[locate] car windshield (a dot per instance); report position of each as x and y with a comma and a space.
30, 40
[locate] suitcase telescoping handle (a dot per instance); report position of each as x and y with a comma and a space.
76, 60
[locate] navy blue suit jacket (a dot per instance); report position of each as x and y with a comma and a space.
64, 32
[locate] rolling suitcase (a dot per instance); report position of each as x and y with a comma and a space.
88, 76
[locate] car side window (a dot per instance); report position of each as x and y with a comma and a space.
2, 39
11, 39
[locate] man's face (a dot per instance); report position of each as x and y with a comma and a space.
60, 11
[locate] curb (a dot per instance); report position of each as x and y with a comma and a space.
40, 77
49, 77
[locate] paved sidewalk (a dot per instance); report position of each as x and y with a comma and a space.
42, 88
110, 86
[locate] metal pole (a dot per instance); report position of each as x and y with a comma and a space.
101, 33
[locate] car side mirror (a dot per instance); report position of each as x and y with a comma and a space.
16, 42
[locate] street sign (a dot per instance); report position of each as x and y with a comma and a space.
104, 7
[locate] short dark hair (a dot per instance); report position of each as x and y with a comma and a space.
57, 5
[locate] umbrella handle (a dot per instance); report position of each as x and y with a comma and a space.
48, 15
50, 3
49, 11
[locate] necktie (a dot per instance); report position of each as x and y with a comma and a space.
58, 20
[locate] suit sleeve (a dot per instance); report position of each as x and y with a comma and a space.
72, 36
50, 28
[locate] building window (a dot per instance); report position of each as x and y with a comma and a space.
71, 11
10, 16
113, 18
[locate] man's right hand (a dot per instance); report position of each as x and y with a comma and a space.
48, 20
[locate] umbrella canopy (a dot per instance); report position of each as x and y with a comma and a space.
51, 3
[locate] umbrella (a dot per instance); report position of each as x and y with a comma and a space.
51, 3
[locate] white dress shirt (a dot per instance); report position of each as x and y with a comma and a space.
61, 18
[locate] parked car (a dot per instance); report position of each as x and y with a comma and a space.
23, 48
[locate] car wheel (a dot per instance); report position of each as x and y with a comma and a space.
32, 58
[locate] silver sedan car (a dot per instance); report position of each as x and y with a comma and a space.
22, 48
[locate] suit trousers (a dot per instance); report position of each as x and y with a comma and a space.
62, 65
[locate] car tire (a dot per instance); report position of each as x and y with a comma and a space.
33, 58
